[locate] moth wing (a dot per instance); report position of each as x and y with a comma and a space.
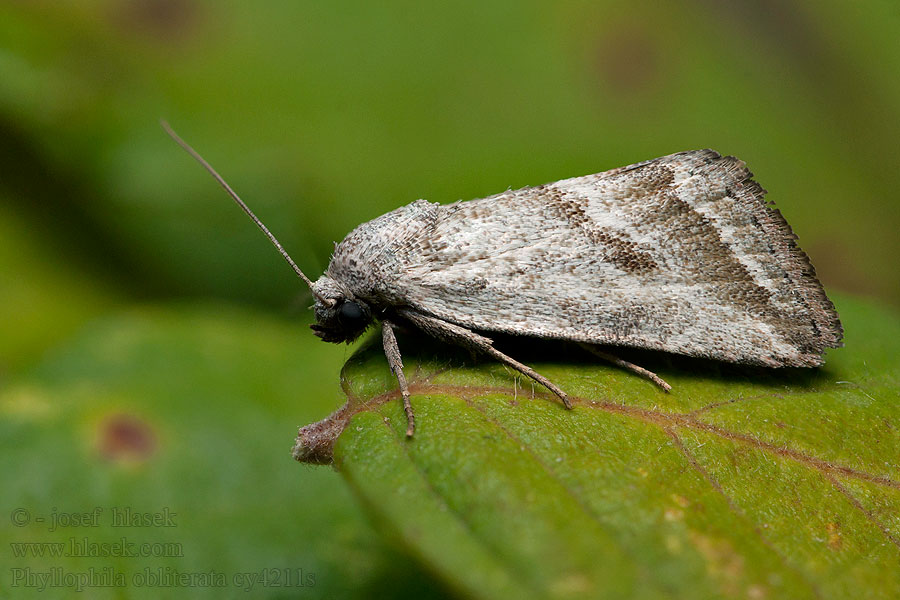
680, 254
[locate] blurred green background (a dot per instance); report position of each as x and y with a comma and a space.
323, 115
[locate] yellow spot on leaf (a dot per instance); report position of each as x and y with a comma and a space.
834, 535
673, 514
726, 567
680, 500
756, 592
26, 403
571, 584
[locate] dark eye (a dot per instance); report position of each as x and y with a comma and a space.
351, 315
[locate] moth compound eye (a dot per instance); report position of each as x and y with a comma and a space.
352, 315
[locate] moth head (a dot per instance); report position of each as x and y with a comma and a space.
340, 317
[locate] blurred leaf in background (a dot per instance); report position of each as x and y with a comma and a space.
187, 413
325, 115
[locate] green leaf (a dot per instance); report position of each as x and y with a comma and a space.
747, 483
189, 411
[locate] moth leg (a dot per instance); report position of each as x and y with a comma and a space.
629, 366
461, 336
392, 353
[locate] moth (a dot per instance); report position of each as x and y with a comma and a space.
680, 254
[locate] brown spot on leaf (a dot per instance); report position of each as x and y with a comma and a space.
126, 437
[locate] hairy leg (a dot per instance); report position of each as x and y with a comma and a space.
627, 365
461, 336
392, 352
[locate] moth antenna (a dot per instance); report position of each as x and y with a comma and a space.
187, 147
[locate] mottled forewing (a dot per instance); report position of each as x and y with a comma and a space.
680, 254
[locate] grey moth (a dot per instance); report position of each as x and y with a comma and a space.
680, 254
